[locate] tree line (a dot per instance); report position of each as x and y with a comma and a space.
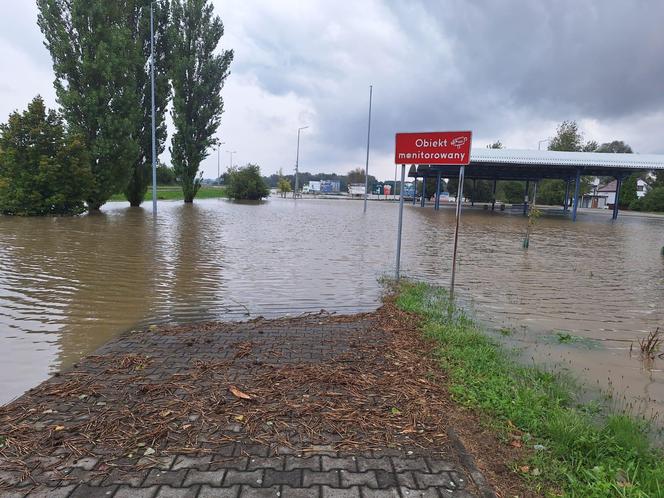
99, 142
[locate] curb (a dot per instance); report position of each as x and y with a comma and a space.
469, 463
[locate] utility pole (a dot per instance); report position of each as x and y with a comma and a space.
366, 172
297, 162
219, 160
154, 117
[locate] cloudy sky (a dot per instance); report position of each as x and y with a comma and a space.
509, 70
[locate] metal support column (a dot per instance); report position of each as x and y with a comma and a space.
472, 199
424, 190
493, 199
566, 203
577, 190
403, 178
437, 205
415, 192
525, 198
619, 180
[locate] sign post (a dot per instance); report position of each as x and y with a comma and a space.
401, 196
446, 148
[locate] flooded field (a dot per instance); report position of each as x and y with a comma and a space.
581, 295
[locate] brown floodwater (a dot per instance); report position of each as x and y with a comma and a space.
67, 285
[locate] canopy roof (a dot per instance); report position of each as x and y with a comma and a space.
511, 164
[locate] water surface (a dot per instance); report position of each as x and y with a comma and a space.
67, 285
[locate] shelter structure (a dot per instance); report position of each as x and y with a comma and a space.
536, 165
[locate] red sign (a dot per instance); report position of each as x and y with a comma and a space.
444, 147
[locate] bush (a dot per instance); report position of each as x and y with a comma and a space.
43, 170
246, 183
653, 200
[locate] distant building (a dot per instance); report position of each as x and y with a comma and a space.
604, 197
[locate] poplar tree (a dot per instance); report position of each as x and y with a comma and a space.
93, 54
198, 75
141, 174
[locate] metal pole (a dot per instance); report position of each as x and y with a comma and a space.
577, 188
394, 193
617, 200
424, 191
415, 192
297, 165
462, 174
403, 178
366, 173
566, 203
525, 198
218, 163
154, 116
437, 205
493, 200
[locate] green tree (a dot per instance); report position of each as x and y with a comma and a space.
165, 175
94, 61
356, 175
43, 170
141, 174
246, 183
198, 76
284, 186
616, 147
653, 200
628, 191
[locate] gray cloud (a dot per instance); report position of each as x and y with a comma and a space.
507, 70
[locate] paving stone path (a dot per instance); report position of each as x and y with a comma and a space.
236, 469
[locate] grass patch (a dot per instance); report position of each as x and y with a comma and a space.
576, 450
174, 193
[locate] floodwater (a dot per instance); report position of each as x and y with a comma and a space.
67, 285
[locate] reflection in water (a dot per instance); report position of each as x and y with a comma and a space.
67, 285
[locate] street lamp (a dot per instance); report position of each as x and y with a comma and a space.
219, 160
154, 117
231, 152
297, 162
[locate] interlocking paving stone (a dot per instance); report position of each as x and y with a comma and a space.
209, 492
288, 492
173, 478
210, 477
85, 491
129, 492
46, 492
248, 492
187, 462
276, 463
358, 479
291, 478
353, 492
311, 463
364, 464
168, 492
330, 478
348, 463
237, 469
252, 478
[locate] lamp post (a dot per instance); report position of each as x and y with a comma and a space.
154, 117
297, 162
219, 160
231, 152
366, 172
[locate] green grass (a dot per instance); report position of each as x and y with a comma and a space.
174, 193
581, 452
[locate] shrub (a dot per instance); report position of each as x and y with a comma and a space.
653, 200
246, 183
43, 170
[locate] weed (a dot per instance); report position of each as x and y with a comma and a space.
584, 454
506, 332
651, 344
